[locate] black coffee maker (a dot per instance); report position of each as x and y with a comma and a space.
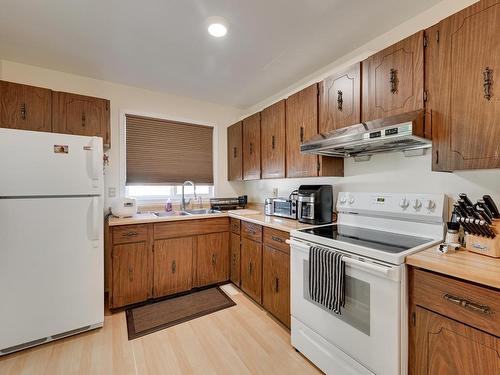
315, 204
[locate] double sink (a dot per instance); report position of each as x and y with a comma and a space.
199, 211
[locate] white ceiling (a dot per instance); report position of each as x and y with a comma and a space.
163, 44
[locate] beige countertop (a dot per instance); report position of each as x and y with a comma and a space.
462, 264
253, 216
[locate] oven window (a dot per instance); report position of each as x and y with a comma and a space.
282, 207
357, 306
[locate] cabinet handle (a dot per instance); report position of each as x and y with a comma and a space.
393, 80
234, 259
23, 111
214, 259
487, 82
251, 148
235, 152
277, 285
272, 142
340, 101
301, 134
130, 234
130, 274
250, 268
277, 239
83, 119
174, 266
482, 309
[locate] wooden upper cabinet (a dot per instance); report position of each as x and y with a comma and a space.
25, 107
340, 99
393, 79
251, 147
463, 76
235, 152
212, 258
302, 125
81, 115
272, 130
173, 266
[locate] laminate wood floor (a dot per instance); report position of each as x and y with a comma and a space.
242, 339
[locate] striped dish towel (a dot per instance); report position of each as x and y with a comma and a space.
327, 278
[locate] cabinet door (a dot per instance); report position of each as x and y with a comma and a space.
129, 273
25, 107
173, 266
212, 258
235, 152
447, 347
251, 268
393, 79
272, 127
235, 259
301, 125
463, 69
339, 99
81, 115
276, 283
251, 147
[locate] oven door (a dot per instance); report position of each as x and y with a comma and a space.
369, 328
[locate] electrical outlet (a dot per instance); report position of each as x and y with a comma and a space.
275, 192
111, 192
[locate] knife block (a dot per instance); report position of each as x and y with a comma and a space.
484, 245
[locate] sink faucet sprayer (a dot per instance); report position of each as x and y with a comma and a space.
183, 201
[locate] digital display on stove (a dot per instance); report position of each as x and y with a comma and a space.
380, 200
374, 239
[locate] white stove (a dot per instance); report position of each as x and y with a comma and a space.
376, 232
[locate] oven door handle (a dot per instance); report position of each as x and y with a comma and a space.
387, 272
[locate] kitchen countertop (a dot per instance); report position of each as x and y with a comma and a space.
253, 216
462, 264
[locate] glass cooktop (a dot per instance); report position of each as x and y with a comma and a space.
375, 239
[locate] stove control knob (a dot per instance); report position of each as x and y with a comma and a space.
404, 203
351, 200
343, 199
430, 205
417, 204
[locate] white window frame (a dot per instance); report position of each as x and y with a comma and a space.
123, 156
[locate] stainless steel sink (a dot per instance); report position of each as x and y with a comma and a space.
166, 214
202, 211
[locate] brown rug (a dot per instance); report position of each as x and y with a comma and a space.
156, 316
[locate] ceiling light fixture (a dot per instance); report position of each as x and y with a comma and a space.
217, 26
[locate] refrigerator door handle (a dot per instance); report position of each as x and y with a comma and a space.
95, 221
95, 162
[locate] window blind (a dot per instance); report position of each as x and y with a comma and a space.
163, 152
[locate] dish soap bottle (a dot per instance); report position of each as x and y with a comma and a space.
168, 206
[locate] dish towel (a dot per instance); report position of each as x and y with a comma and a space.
327, 278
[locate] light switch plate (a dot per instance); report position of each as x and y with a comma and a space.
111, 192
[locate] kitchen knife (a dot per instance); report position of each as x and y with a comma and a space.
487, 229
465, 198
482, 227
492, 206
466, 226
476, 227
484, 215
469, 210
482, 204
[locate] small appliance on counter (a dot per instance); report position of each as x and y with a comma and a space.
124, 207
225, 204
315, 204
282, 207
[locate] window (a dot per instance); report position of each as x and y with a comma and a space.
162, 154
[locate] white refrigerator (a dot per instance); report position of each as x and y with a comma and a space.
51, 237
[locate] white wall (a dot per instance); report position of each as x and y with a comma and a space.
125, 98
388, 172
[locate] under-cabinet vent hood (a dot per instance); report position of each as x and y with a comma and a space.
404, 132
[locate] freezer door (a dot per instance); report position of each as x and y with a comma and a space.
51, 267
49, 164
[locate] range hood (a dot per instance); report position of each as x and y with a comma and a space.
404, 132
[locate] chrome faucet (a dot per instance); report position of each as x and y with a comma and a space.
183, 200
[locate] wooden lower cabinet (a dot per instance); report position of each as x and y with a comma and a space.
276, 283
173, 266
235, 259
251, 268
129, 274
212, 258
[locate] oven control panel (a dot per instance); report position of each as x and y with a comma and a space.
388, 204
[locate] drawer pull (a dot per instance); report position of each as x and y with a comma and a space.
214, 259
483, 309
23, 111
130, 234
250, 268
277, 239
277, 285
174, 266
130, 274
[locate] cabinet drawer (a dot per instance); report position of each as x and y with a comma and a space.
130, 233
235, 225
277, 239
185, 228
251, 231
468, 303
